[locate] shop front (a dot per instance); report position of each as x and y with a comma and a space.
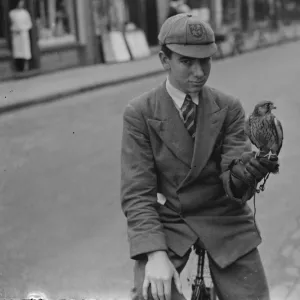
55, 22
57, 40
121, 31
109, 21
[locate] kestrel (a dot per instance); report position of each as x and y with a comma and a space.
264, 129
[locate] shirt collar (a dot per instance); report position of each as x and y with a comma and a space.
179, 96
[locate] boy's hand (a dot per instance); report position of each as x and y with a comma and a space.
159, 273
251, 170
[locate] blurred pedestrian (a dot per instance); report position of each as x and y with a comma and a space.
187, 172
20, 25
178, 7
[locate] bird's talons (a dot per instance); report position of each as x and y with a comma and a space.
269, 155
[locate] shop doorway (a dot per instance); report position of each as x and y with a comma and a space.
2, 25
34, 62
144, 15
244, 15
151, 22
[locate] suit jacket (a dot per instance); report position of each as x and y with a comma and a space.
159, 156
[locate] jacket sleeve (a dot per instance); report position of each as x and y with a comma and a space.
234, 145
139, 187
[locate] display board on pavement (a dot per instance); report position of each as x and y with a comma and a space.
115, 48
137, 43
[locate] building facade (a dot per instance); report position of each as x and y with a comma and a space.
70, 33
60, 36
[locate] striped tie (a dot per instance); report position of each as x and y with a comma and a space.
189, 109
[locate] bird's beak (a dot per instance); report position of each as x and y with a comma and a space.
274, 107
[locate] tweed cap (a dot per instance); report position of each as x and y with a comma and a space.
188, 35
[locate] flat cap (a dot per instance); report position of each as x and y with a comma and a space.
188, 35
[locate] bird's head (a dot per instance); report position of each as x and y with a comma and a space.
263, 108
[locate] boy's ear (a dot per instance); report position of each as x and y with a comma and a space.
165, 61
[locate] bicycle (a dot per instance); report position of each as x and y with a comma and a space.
202, 286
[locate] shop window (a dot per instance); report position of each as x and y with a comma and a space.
109, 15
55, 21
101, 16
230, 12
118, 14
261, 10
292, 9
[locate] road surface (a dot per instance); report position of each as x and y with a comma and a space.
61, 227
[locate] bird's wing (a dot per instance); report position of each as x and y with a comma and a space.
251, 131
279, 131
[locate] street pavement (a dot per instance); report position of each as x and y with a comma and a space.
31, 91
61, 227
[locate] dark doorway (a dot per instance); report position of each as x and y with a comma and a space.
135, 12
151, 22
13, 4
34, 63
2, 27
198, 3
244, 15
144, 16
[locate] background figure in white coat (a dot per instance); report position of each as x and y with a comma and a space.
20, 25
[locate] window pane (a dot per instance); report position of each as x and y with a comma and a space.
230, 12
109, 15
100, 15
117, 14
55, 22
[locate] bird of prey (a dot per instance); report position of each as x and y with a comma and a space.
264, 129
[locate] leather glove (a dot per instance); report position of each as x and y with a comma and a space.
251, 170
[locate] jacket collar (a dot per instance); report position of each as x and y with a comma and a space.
178, 96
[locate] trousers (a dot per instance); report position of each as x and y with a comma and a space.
244, 279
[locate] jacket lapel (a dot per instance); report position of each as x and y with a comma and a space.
170, 128
210, 119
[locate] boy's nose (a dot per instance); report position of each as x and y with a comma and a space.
197, 69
